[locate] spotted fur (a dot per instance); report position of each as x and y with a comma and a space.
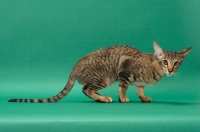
125, 64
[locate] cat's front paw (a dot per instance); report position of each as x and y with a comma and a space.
106, 99
146, 99
123, 100
109, 99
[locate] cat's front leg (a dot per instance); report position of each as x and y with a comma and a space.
123, 86
122, 95
140, 90
124, 77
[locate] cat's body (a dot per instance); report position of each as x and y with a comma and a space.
107, 64
127, 65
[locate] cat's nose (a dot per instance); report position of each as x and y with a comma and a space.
170, 71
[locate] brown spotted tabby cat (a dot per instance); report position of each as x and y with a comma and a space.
127, 65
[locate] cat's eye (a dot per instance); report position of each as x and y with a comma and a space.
176, 63
165, 62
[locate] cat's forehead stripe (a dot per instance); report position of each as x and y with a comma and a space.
171, 55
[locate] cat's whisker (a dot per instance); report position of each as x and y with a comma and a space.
177, 76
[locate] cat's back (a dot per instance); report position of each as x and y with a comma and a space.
103, 63
106, 58
114, 51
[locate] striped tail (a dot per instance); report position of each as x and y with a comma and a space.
56, 98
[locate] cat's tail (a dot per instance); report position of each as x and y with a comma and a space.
56, 98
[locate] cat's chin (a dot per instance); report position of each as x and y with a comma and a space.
170, 74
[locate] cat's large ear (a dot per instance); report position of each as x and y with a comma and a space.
185, 51
158, 51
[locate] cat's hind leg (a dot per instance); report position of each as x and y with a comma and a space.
90, 90
140, 90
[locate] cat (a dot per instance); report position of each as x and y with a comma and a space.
125, 64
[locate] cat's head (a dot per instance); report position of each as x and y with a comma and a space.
168, 60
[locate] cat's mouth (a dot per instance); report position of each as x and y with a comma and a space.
167, 72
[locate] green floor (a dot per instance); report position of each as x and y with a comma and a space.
42, 40
91, 116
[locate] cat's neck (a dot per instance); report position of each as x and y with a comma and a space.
153, 62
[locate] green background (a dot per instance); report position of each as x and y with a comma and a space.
41, 40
